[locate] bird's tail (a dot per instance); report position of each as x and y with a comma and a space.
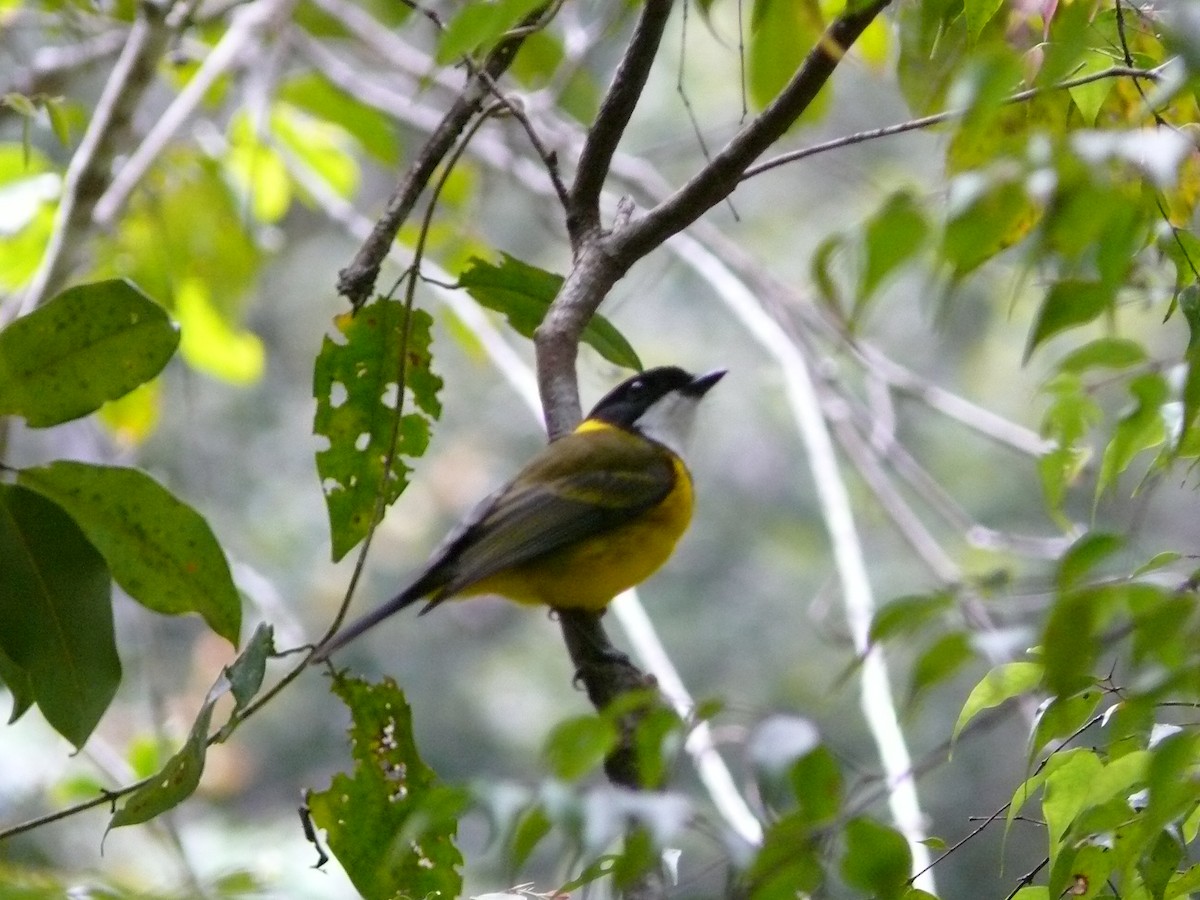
371, 619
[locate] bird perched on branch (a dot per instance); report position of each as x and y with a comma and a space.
593, 514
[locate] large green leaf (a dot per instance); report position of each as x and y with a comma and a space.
1000, 684
56, 610
385, 822
523, 293
1068, 304
160, 550
782, 32
877, 858
90, 344
352, 381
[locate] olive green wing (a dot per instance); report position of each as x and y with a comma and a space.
590, 483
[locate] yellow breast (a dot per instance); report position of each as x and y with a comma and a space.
590, 573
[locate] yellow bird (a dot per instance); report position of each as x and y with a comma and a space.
594, 513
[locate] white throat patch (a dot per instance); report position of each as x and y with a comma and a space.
669, 421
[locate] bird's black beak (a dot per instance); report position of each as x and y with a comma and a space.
700, 385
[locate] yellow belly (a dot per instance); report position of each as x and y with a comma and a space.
588, 575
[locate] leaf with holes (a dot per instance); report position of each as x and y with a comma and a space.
389, 822
355, 382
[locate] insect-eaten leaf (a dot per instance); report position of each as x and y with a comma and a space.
389, 823
56, 645
179, 778
523, 293
90, 344
362, 412
160, 550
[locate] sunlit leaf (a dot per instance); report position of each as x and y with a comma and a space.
89, 344
56, 606
355, 382
385, 822
160, 550
316, 95
212, 344
781, 34
1000, 684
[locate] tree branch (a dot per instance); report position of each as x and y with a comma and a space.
721, 176
357, 280
629, 81
106, 136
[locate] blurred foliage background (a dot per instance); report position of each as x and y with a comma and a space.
241, 217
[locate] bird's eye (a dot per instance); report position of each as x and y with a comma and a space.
636, 387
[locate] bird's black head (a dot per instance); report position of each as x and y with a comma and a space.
625, 404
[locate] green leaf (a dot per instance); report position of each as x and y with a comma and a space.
1001, 684
578, 746
245, 675
1157, 561
523, 293
817, 785
891, 236
1069, 304
1108, 353
355, 385
878, 858
56, 606
479, 26
1068, 792
989, 217
160, 550
19, 686
781, 34
210, 342
1137, 430
1084, 555
907, 615
88, 345
383, 821
939, 662
978, 13
789, 864
315, 94
178, 779
1062, 717
531, 828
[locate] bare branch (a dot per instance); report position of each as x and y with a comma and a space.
583, 214
247, 23
105, 138
357, 280
49, 65
721, 176
872, 134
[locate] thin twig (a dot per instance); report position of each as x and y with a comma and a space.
716, 180
605, 133
873, 134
